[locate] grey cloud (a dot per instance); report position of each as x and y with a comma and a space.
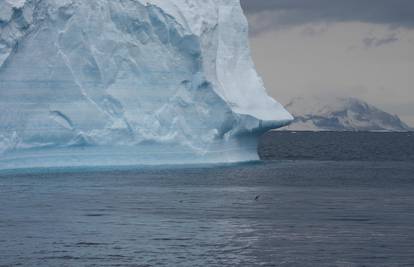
376, 42
396, 13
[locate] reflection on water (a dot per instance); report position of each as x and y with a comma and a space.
265, 214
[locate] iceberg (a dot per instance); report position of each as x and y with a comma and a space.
129, 82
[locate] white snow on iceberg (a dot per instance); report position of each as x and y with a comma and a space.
126, 82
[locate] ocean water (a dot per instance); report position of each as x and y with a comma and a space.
317, 199
338, 146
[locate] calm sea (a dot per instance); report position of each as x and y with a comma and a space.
317, 199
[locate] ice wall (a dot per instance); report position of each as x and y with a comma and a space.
126, 82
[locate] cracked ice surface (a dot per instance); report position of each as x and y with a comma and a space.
128, 82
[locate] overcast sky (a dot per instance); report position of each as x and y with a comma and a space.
359, 48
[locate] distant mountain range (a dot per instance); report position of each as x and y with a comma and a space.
341, 114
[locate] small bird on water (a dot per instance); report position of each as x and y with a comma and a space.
257, 197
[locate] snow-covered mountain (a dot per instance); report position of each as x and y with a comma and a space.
341, 114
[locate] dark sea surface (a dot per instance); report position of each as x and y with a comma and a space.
318, 199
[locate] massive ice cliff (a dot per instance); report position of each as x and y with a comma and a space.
126, 82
